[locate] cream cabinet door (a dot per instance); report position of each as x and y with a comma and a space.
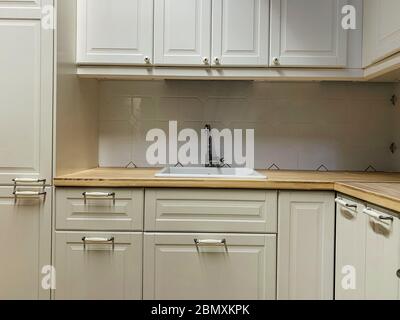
350, 249
22, 8
240, 32
306, 227
182, 32
97, 266
242, 267
382, 258
26, 82
307, 33
25, 245
115, 32
381, 29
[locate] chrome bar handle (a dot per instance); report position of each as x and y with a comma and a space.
210, 243
343, 203
94, 240
87, 195
376, 215
21, 185
28, 180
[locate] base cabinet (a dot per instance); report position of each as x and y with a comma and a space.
306, 236
25, 245
217, 266
98, 266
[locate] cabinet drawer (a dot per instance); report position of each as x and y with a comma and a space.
104, 266
99, 209
220, 266
211, 210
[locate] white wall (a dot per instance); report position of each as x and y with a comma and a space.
344, 126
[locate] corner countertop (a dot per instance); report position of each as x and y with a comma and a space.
379, 188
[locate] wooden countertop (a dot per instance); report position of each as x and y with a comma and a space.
379, 188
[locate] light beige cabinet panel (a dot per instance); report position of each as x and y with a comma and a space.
99, 209
381, 29
25, 245
115, 32
382, 257
242, 268
240, 33
306, 245
26, 81
202, 210
307, 33
101, 268
351, 227
182, 32
22, 8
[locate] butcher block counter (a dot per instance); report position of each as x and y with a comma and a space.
382, 189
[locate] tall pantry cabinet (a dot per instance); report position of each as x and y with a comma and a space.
26, 104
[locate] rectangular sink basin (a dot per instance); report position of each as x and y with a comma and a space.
203, 172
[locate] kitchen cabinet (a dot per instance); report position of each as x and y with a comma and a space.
307, 33
240, 33
98, 265
182, 32
306, 226
351, 227
115, 32
26, 95
25, 244
382, 256
209, 266
381, 29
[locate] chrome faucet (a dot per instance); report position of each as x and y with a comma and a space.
210, 159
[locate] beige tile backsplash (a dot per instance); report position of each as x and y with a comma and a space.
343, 126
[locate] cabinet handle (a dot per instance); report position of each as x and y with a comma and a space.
87, 195
206, 60
87, 240
343, 203
23, 183
147, 60
217, 61
210, 243
376, 215
275, 61
27, 180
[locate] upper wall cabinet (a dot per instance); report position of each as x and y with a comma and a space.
381, 29
26, 81
307, 33
115, 32
240, 32
182, 32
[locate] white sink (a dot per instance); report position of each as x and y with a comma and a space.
203, 172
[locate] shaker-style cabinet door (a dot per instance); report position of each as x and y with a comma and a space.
26, 95
115, 32
306, 241
212, 266
240, 33
98, 266
382, 255
351, 227
182, 32
307, 33
381, 29
25, 245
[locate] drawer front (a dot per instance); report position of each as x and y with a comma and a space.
98, 268
99, 209
211, 210
220, 266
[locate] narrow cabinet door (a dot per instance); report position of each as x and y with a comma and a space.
306, 236
350, 250
307, 33
26, 81
209, 266
25, 245
115, 32
182, 31
382, 259
240, 32
98, 266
